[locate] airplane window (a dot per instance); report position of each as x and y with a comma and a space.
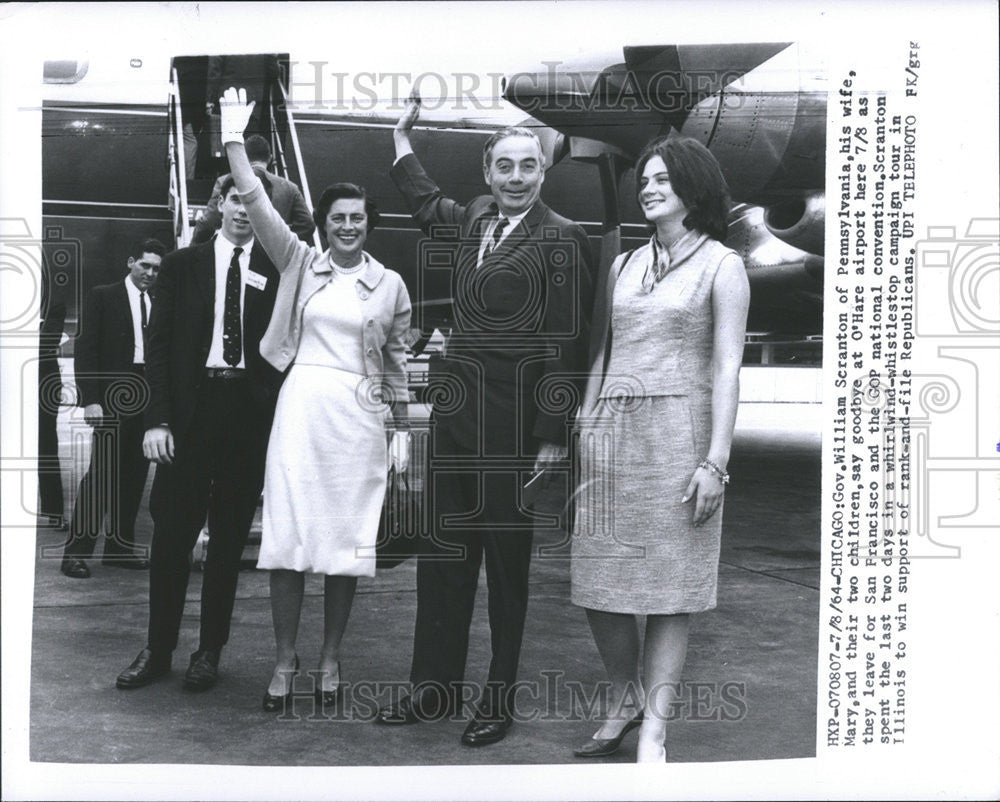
68, 71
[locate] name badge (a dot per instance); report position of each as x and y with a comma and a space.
256, 280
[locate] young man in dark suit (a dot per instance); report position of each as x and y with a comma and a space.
211, 403
521, 301
109, 362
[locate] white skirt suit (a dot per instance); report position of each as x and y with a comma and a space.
343, 332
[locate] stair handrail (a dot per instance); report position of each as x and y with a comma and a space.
298, 160
179, 180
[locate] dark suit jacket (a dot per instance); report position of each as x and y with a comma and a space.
180, 335
519, 344
285, 197
105, 346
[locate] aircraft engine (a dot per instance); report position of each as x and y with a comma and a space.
799, 221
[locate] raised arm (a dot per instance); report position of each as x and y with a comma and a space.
281, 244
426, 202
401, 133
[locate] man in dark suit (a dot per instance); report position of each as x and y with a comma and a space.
521, 296
211, 403
109, 362
285, 197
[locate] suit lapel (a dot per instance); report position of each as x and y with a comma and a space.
522, 231
204, 278
124, 312
204, 273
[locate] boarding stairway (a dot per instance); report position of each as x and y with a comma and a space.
188, 198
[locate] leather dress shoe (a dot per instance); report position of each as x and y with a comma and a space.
484, 731
422, 705
276, 704
76, 569
147, 667
203, 672
601, 747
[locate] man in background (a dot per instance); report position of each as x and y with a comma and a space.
109, 366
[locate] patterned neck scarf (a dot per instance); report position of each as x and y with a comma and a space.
666, 259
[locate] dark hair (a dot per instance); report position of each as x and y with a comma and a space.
696, 178
337, 192
504, 133
148, 246
229, 182
257, 148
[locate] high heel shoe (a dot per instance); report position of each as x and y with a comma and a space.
601, 747
276, 704
329, 698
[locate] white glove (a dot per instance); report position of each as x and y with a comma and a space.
399, 451
234, 113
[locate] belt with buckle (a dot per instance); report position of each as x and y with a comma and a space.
225, 373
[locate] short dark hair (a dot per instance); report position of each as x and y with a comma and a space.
336, 192
696, 178
504, 133
229, 182
149, 245
257, 148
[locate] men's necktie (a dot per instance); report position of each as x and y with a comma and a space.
498, 230
232, 333
143, 319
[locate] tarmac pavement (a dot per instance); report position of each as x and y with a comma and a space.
750, 677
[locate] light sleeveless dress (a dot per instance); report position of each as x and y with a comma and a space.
634, 548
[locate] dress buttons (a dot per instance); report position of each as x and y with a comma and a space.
370, 351
364, 296
371, 322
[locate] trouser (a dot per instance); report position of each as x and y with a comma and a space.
448, 574
218, 470
112, 487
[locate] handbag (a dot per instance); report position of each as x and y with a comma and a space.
402, 525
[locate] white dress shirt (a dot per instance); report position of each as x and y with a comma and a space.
513, 222
134, 299
223, 256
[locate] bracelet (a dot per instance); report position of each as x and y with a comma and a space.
708, 465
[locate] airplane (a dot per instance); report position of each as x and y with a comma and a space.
113, 160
